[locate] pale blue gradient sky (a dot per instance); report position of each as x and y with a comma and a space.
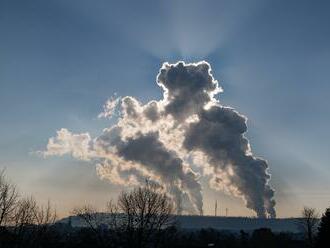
60, 60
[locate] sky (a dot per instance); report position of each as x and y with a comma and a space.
61, 60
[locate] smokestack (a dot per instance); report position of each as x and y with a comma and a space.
215, 208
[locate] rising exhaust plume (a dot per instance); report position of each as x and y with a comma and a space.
160, 139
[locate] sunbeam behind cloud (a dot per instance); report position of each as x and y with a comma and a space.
156, 140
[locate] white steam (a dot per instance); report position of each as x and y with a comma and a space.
154, 141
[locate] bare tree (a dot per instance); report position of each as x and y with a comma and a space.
140, 215
22, 217
146, 211
308, 223
92, 219
8, 199
114, 219
23, 221
89, 215
44, 218
45, 215
24, 213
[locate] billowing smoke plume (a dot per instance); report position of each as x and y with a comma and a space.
157, 140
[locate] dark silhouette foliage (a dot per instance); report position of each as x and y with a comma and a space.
323, 238
66, 236
141, 218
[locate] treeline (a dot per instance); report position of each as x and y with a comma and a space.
23, 223
143, 217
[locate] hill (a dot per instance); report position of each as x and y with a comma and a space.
194, 222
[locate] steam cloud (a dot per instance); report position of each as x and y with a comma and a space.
160, 140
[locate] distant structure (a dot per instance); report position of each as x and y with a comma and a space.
215, 208
226, 212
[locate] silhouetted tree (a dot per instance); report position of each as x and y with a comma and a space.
8, 199
323, 237
92, 219
44, 218
89, 215
139, 216
308, 224
23, 221
147, 211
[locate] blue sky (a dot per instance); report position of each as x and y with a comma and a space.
61, 60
